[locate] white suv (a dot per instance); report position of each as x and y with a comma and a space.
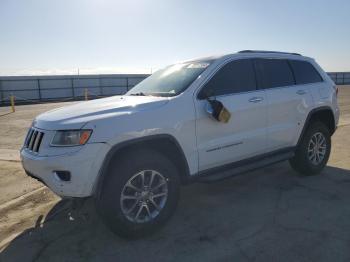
203, 119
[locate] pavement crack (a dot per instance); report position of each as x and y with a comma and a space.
243, 253
313, 231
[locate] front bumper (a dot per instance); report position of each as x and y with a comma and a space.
84, 166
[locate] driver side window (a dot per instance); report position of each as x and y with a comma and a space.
234, 77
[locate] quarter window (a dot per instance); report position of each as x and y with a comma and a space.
235, 77
304, 72
273, 73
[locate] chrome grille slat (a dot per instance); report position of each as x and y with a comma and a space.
36, 143
34, 139
31, 143
29, 136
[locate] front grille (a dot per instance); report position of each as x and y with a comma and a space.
33, 140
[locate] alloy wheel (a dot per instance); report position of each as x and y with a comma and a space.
317, 148
144, 196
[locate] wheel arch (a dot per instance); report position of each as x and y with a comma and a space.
323, 114
162, 143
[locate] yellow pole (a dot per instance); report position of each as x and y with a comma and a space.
12, 98
86, 94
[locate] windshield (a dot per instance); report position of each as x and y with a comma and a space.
171, 80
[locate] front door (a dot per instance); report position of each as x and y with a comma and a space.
245, 134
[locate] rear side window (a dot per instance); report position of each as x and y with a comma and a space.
304, 72
273, 73
235, 77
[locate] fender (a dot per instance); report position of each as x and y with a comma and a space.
123, 145
309, 117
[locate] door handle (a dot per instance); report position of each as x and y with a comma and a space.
301, 92
255, 99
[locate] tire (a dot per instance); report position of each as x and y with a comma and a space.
129, 168
305, 161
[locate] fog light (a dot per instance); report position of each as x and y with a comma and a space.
62, 175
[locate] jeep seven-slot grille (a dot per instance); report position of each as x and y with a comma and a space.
33, 140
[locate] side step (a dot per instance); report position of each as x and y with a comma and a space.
240, 168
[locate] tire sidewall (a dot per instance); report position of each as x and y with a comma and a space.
315, 128
118, 175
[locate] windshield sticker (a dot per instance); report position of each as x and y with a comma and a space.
198, 65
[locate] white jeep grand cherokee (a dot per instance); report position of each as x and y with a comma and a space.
203, 119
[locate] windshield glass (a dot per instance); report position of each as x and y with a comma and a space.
171, 80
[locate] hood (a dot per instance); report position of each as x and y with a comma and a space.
77, 115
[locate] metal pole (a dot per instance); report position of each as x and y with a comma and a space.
99, 83
86, 94
336, 78
39, 89
12, 98
127, 83
1, 92
72, 84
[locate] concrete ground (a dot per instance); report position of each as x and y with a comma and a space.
271, 214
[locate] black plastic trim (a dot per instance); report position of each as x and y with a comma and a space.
63, 175
309, 116
291, 69
245, 165
115, 148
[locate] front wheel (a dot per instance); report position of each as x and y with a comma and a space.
313, 152
139, 194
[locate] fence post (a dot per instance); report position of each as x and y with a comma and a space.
1, 92
99, 83
72, 85
336, 78
39, 89
12, 99
86, 94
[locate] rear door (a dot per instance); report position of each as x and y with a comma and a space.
244, 136
287, 103
310, 86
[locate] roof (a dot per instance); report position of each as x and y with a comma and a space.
249, 53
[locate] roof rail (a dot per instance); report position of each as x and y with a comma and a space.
264, 51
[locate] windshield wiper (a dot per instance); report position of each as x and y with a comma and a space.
138, 94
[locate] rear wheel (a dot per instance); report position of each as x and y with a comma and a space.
139, 194
313, 152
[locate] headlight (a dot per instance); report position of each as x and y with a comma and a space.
71, 137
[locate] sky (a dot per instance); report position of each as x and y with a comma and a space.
114, 36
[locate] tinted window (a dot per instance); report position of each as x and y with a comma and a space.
304, 72
234, 77
273, 73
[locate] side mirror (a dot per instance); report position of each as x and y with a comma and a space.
218, 111
205, 93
